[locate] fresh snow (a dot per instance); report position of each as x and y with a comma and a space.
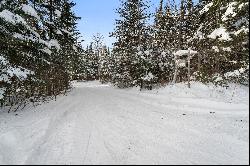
30, 11
46, 50
243, 5
2, 2
221, 33
21, 73
206, 8
10, 71
230, 11
243, 29
58, 13
228, 49
3, 61
216, 49
198, 34
54, 43
148, 77
218, 79
235, 73
99, 124
2, 91
58, 32
11, 17
181, 62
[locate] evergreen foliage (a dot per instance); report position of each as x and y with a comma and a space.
39, 49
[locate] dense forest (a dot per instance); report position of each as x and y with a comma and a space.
41, 51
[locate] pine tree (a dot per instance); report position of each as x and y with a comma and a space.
104, 65
219, 41
131, 35
91, 63
35, 63
21, 45
235, 19
165, 41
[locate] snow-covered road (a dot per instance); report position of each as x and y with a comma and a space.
98, 124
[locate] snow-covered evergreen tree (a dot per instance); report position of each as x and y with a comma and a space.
165, 40
32, 57
131, 36
104, 65
222, 39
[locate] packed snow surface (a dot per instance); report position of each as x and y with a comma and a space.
99, 124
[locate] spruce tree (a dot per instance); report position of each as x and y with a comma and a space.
131, 35
34, 65
223, 41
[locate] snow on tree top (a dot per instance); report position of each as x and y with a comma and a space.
198, 34
21, 73
3, 60
1, 3
46, 50
30, 11
7, 72
216, 49
2, 90
58, 32
236, 73
243, 29
228, 49
243, 5
11, 17
221, 33
58, 13
147, 52
206, 8
229, 11
148, 77
54, 43
49, 22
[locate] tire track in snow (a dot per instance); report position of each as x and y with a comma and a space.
102, 125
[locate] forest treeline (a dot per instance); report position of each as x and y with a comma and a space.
39, 48
41, 51
148, 54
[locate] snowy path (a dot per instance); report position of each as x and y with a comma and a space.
97, 124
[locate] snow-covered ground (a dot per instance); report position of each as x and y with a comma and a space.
99, 124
